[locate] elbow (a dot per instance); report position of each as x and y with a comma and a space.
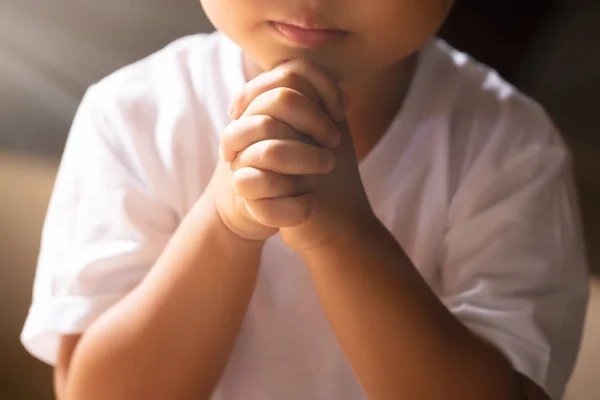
90, 369
104, 372
497, 375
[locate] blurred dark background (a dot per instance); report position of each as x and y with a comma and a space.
50, 51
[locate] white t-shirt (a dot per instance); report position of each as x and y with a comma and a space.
471, 178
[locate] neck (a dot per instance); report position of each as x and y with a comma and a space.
375, 100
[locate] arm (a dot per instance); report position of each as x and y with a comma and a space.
171, 337
354, 278
398, 337
67, 345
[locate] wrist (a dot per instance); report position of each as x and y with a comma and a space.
206, 212
348, 237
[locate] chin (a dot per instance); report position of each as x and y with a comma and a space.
337, 66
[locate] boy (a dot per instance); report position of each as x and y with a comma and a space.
334, 207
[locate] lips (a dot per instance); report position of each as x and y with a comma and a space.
308, 33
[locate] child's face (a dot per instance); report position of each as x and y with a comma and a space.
376, 33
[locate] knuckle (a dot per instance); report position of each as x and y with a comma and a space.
291, 77
268, 152
265, 124
285, 96
301, 64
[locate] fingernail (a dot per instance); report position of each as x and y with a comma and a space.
312, 200
221, 153
339, 115
345, 100
331, 163
231, 111
335, 142
280, 62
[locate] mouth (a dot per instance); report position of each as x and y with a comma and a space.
308, 34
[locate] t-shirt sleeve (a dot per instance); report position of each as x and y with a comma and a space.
105, 227
514, 268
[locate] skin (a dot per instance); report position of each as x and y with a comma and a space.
379, 35
376, 59
289, 164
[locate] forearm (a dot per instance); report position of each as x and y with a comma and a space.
399, 338
171, 337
